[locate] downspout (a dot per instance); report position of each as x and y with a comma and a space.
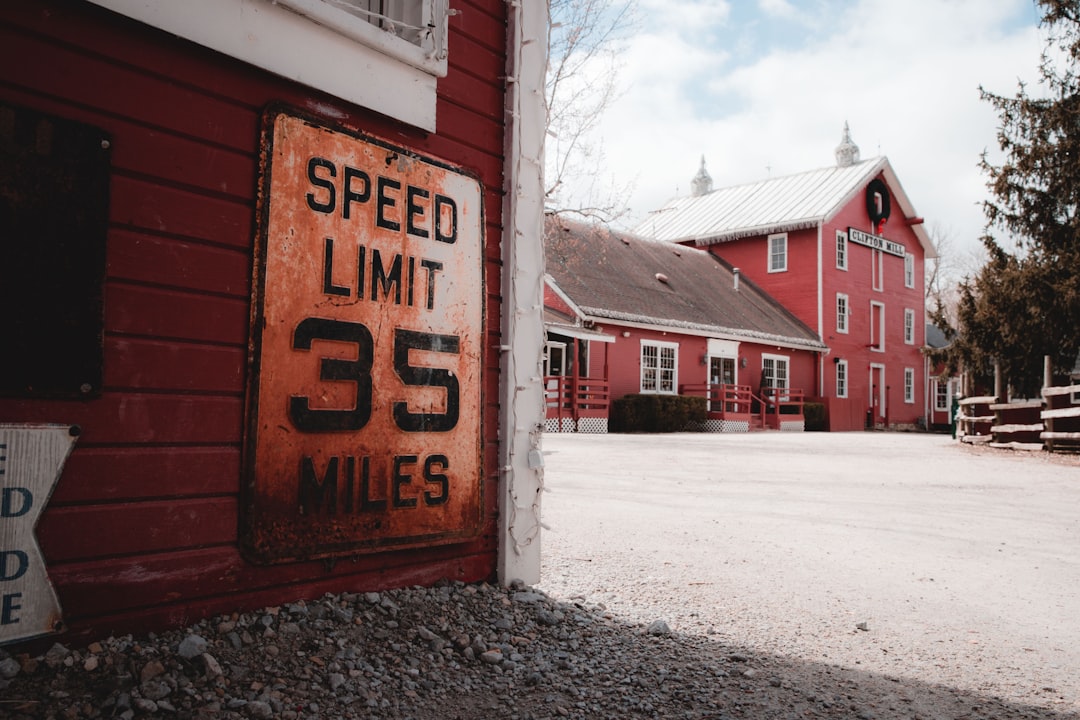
820, 310
521, 392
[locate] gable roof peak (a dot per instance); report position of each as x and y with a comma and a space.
847, 152
702, 182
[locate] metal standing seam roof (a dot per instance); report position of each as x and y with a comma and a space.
621, 277
780, 204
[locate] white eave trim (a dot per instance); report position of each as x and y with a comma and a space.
574, 307
718, 333
578, 332
772, 228
280, 41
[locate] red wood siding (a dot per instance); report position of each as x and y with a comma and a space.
624, 361
142, 529
797, 290
857, 283
555, 302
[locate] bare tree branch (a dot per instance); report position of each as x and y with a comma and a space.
584, 41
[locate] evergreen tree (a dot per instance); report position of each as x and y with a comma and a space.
1025, 302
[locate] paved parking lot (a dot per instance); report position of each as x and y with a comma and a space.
902, 554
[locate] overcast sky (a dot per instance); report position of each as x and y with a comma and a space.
763, 87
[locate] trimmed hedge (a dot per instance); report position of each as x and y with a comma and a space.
814, 415
657, 413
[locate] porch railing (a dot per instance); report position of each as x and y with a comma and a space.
575, 398
739, 402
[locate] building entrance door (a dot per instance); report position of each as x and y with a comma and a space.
721, 372
878, 396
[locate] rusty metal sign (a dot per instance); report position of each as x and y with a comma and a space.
364, 412
31, 458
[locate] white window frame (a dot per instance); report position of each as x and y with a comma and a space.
426, 21
877, 269
327, 48
880, 345
660, 347
909, 385
909, 326
780, 240
777, 361
909, 270
841, 250
841, 378
946, 397
843, 312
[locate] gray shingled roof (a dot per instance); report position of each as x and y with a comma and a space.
777, 204
935, 336
618, 276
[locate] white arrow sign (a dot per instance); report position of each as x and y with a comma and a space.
31, 458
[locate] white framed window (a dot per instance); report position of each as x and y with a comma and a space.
877, 270
841, 378
877, 326
413, 31
774, 371
778, 253
909, 326
841, 250
843, 310
909, 270
941, 395
385, 55
659, 367
909, 385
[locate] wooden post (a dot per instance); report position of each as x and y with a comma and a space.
575, 390
997, 381
1048, 379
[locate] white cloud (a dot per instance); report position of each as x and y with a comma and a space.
904, 75
777, 8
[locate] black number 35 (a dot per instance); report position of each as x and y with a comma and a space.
311, 420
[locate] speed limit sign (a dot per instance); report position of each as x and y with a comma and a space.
364, 405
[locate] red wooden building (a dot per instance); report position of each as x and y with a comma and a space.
843, 249
258, 252
628, 315
941, 391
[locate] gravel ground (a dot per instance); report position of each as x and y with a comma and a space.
599, 640
453, 652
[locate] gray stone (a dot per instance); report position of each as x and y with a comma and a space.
9, 668
491, 657
56, 655
658, 627
191, 646
155, 689
546, 617
213, 667
260, 710
145, 705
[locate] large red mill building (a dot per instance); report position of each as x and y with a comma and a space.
838, 250
265, 287
843, 249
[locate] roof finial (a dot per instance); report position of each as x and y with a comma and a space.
847, 152
702, 182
